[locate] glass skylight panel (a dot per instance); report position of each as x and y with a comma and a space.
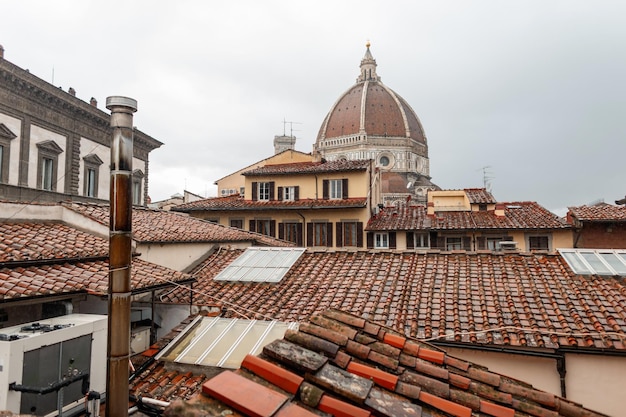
576, 263
595, 262
222, 342
600, 262
619, 265
261, 265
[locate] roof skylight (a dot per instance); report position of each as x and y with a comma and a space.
596, 261
222, 342
261, 265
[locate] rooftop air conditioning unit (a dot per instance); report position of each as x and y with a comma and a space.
47, 367
507, 245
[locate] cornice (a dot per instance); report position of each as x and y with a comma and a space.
26, 85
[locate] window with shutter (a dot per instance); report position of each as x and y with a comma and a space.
321, 234
381, 240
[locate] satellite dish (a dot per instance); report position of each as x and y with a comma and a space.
409, 185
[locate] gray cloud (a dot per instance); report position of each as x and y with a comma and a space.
535, 90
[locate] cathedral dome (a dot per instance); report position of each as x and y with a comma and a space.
371, 121
371, 108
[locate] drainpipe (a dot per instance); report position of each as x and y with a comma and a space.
560, 367
120, 240
316, 189
303, 229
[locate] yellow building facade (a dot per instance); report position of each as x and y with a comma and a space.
312, 203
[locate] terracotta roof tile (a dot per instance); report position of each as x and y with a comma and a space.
88, 276
517, 215
307, 168
236, 202
29, 241
511, 299
364, 389
479, 196
152, 225
599, 213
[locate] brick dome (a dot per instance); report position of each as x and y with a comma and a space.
371, 121
371, 108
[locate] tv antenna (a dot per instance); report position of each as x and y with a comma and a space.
487, 177
285, 122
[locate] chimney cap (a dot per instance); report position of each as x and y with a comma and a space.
115, 101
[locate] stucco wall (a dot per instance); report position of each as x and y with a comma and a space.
176, 256
235, 180
562, 239
449, 200
311, 186
595, 381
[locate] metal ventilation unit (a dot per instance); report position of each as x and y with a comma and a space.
48, 367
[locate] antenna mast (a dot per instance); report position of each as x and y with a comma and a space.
285, 122
487, 178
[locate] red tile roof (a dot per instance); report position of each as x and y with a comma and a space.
517, 215
89, 276
307, 168
236, 202
599, 213
344, 365
482, 298
160, 226
28, 241
479, 196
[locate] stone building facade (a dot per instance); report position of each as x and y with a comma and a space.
55, 146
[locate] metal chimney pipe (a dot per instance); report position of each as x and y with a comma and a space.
120, 241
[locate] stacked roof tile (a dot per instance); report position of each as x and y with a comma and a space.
343, 365
507, 299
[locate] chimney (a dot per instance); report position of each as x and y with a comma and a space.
430, 208
499, 212
120, 248
93, 102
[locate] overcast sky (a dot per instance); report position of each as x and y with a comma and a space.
533, 90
